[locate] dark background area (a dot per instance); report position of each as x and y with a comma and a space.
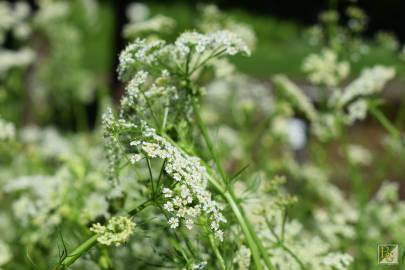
385, 15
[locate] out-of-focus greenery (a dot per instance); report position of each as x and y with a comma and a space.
281, 45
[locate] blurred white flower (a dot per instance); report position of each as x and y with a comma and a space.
7, 130
5, 253
11, 59
95, 205
359, 155
296, 133
324, 68
371, 81
242, 258
137, 12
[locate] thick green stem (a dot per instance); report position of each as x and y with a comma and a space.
79, 251
92, 241
253, 240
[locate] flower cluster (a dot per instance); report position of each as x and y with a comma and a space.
189, 198
216, 42
242, 258
5, 253
10, 59
337, 261
290, 244
156, 24
14, 17
117, 231
7, 130
324, 69
187, 54
371, 81
212, 19
297, 97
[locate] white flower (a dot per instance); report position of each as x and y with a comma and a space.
11, 59
338, 261
224, 40
94, 206
324, 68
117, 231
190, 198
173, 222
214, 20
7, 130
295, 94
199, 266
370, 81
187, 54
357, 111
359, 155
242, 258
5, 253
137, 12
156, 24
296, 133
135, 158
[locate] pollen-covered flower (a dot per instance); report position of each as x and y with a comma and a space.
117, 231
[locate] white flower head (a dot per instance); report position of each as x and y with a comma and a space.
117, 231
324, 68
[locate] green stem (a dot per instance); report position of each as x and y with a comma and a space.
250, 240
79, 251
217, 253
92, 241
253, 240
392, 130
207, 140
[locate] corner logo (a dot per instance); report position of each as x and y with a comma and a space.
388, 254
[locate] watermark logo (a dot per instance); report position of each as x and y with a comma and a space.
388, 254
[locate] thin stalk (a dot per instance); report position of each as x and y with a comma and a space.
150, 176
250, 240
256, 239
217, 253
385, 122
92, 241
280, 242
208, 141
78, 252
166, 113
253, 240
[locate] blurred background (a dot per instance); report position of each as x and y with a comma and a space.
58, 74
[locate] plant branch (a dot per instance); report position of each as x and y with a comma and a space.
92, 241
253, 240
